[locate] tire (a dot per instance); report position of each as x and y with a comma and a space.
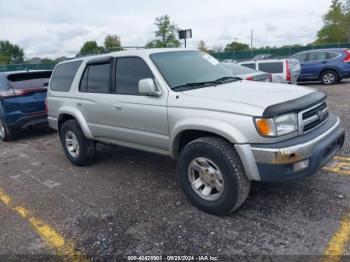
6, 134
82, 150
329, 77
222, 157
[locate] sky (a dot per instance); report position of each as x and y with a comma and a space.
57, 28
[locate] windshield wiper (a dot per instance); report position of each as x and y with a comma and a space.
228, 79
197, 84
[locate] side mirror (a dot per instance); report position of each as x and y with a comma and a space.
148, 87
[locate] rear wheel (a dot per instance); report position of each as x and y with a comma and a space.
329, 77
6, 133
212, 176
77, 148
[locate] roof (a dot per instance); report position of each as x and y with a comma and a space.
323, 49
22, 71
136, 52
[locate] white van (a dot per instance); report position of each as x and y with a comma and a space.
282, 70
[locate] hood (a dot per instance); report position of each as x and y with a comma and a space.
251, 93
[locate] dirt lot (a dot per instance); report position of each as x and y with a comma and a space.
129, 203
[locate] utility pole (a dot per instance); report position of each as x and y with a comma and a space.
251, 43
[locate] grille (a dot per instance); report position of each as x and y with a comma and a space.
314, 117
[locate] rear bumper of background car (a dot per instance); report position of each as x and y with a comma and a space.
29, 120
295, 158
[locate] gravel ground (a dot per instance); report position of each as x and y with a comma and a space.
129, 203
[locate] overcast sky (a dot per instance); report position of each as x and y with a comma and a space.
59, 27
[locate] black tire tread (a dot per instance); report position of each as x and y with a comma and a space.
90, 152
234, 161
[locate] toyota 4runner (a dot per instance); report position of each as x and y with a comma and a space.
224, 132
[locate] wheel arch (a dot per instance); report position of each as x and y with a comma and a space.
185, 133
72, 113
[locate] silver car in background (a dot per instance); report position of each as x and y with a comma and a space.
247, 73
282, 70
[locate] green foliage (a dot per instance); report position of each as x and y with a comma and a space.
165, 33
10, 53
47, 61
90, 47
236, 46
336, 26
112, 43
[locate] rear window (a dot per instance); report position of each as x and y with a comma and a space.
239, 70
29, 80
63, 76
272, 68
251, 65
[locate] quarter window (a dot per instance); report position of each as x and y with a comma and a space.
130, 71
63, 76
96, 78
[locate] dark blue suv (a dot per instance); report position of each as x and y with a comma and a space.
326, 65
22, 101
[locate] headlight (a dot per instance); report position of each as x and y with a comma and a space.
277, 126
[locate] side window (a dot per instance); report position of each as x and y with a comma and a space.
300, 57
96, 78
316, 56
130, 70
251, 65
272, 68
63, 76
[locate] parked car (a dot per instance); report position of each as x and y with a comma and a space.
229, 61
262, 57
22, 101
282, 70
185, 104
326, 65
247, 73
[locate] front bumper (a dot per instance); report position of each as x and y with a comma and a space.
298, 157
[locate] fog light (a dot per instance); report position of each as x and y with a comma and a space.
300, 165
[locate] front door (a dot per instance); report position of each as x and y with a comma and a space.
139, 121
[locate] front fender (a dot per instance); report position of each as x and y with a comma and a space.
68, 110
217, 127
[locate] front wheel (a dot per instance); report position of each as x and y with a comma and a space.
77, 148
212, 176
329, 77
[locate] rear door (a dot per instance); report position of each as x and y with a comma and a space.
313, 64
94, 99
30, 90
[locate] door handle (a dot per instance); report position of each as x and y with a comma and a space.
79, 104
117, 107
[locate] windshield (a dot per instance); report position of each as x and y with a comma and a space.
239, 70
188, 68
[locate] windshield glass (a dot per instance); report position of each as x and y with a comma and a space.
182, 68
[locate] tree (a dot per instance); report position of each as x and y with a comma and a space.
202, 46
10, 53
47, 60
236, 46
90, 47
166, 33
112, 43
335, 28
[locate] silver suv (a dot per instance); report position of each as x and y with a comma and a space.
224, 132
